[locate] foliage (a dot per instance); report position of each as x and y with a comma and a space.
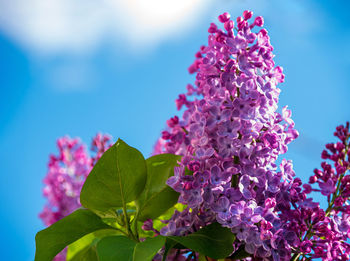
121, 174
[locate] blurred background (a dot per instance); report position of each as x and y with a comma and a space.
83, 66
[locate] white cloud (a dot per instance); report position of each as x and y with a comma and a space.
75, 28
51, 26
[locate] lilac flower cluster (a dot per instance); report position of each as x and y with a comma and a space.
66, 175
230, 136
324, 234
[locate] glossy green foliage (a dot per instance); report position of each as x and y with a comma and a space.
157, 196
85, 247
213, 240
120, 248
52, 240
117, 178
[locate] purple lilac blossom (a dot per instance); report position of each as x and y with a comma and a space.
232, 132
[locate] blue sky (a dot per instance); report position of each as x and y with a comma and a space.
121, 76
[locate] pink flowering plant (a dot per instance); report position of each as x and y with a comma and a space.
212, 189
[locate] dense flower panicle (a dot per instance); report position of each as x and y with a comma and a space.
230, 136
324, 234
66, 175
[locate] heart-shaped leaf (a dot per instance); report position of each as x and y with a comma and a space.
117, 178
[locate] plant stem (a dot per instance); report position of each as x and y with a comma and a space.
136, 229
127, 223
121, 231
295, 257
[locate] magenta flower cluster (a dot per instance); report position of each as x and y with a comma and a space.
230, 136
323, 234
66, 175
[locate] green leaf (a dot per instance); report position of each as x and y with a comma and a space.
87, 254
157, 196
82, 248
124, 249
85, 247
117, 178
213, 240
50, 241
145, 251
115, 248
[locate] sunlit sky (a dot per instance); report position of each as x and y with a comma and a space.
79, 67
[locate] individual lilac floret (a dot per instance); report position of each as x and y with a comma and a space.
230, 136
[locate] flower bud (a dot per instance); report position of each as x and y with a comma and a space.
259, 21
213, 28
247, 14
224, 17
229, 25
